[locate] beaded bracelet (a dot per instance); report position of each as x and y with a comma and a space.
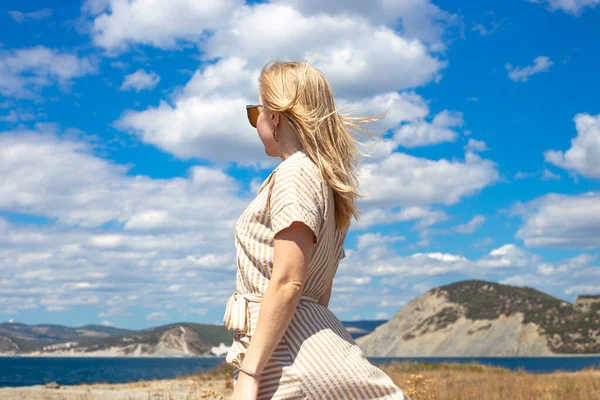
252, 374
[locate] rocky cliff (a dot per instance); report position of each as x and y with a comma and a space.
478, 318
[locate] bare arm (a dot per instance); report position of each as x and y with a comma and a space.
324, 299
292, 252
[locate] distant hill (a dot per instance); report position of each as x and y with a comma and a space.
180, 339
479, 318
468, 318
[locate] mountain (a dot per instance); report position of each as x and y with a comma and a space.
173, 340
478, 318
468, 318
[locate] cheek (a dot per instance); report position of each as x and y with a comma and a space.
262, 127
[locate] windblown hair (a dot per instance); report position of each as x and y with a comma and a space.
302, 94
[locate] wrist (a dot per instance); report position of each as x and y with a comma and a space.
252, 374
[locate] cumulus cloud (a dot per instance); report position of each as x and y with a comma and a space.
401, 179
118, 23
574, 7
117, 240
475, 145
540, 64
422, 133
417, 19
46, 174
140, 80
369, 239
366, 62
571, 276
436, 263
359, 58
208, 112
207, 118
24, 72
584, 153
556, 220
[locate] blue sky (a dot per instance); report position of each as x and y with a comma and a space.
126, 156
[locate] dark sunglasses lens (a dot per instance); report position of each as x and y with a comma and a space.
253, 116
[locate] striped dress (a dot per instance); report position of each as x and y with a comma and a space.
316, 358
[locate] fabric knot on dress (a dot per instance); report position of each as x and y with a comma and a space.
237, 318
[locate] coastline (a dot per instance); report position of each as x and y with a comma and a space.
443, 381
96, 355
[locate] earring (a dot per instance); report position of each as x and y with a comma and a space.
275, 135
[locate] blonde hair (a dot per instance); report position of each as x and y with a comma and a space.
304, 97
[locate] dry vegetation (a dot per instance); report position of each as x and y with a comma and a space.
430, 381
423, 381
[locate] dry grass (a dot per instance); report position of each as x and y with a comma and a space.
454, 381
423, 381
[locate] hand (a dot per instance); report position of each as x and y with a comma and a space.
246, 388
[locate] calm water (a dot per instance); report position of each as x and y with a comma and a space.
25, 371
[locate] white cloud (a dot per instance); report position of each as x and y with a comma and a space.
471, 226
24, 72
540, 64
556, 220
423, 216
208, 118
475, 145
156, 316
56, 304
45, 174
204, 120
544, 174
574, 7
417, 19
401, 179
140, 80
572, 276
370, 239
401, 107
584, 153
134, 255
422, 133
20, 17
118, 23
359, 59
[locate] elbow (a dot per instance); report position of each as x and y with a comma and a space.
293, 286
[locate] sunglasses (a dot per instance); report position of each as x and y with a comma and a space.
253, 110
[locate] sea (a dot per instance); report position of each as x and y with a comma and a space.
26, 371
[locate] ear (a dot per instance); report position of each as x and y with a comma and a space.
275, 119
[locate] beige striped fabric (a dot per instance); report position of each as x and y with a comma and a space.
316, 358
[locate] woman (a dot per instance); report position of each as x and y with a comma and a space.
289, 242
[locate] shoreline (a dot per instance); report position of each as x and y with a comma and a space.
217, 384
83, 355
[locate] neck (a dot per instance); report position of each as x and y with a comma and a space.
288, 142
